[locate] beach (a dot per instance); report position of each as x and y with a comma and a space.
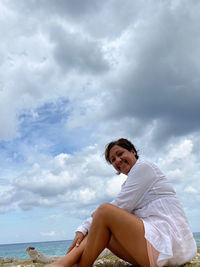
104, 261
16, 254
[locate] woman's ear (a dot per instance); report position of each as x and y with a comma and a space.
133, 151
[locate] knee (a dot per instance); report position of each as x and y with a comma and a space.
103, 209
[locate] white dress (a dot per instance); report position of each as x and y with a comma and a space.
147, 194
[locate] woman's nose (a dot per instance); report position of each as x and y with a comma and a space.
118, 159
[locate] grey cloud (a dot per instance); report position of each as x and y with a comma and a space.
45, 184
101, 19
73, 51
74, 9
42, 190
7, 198
162, 81
113, 19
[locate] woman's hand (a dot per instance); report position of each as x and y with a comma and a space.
76, 242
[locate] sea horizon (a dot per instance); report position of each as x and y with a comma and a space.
28, 242
18, 250
45, 241
57, 247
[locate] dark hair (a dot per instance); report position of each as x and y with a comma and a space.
120, 142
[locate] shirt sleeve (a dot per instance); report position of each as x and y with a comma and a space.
140, 179
85, 226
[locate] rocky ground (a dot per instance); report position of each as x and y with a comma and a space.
105, 261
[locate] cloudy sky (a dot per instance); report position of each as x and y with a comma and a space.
75, 75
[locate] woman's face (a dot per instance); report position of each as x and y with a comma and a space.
122, 159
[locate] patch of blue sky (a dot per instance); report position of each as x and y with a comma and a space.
3, 181
11, 150
48, 129
45, 129
32, 223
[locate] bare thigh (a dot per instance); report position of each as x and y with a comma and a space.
120, 251
126, 228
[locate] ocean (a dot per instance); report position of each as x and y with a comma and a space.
58, 248
18, 250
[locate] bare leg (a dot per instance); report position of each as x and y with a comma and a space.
120, 251
126, 228
71, 258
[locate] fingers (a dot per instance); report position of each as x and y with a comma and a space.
77, 241
79, 237
71, 247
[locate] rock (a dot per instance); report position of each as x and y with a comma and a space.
196, 259
10, 260
105, 253
108, 259
108, 263
38, 257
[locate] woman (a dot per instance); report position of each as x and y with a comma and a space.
145, 225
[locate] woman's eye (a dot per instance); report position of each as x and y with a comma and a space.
120, 153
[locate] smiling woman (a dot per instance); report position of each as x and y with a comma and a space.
122, 155
121, 159
145, 224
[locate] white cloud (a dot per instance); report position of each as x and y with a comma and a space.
64, 180
113, 185
86, 195
84, 179
182, 168
54, 217
190, 189
51, 233
7, 203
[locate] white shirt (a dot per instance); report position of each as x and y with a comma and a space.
145, 183
148, 194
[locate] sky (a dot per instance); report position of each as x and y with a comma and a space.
75, 75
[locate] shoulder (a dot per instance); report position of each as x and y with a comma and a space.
143, 173
141, 163
146, 168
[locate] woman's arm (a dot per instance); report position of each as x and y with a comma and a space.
85, 226
140, 180
77, 241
